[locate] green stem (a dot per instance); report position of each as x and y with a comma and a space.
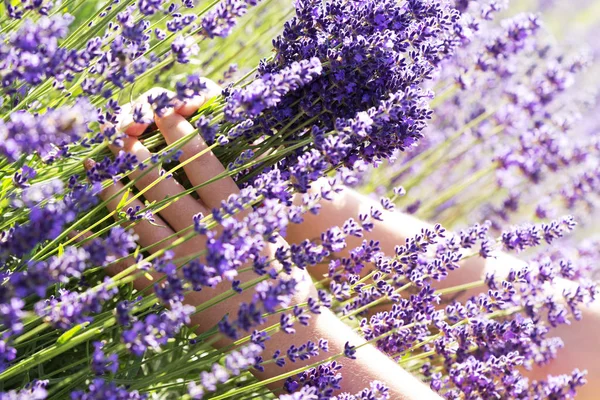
35, 331
426, 209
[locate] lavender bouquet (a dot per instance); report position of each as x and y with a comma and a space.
344, 86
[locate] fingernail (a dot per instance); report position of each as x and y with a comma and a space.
125, 123
212, 89
124, 119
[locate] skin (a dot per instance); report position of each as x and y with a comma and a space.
581, 339
370, 363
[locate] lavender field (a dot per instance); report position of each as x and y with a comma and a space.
299, 199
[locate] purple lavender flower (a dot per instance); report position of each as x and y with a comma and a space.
69, 265
34, 53
45, 222
561, 386
220, 21
27, 133
193, 86
11, 315
180, 22
150, 7
42, 7
305, 393
349, 351
101, 389
527, 236
304, 352
72, 308
184, 48
235, 363
7, 354
21, 177
123, 312
35, 390
325, 378
112, 169
156, 329
101, 363
377, 390
267, 91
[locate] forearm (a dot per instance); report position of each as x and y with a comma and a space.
393, 230
582, 342
370, 363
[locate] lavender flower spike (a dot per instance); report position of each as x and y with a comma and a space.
268, 91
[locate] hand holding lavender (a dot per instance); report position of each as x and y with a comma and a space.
187, 286
318, 333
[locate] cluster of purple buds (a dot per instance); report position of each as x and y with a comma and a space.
156, 329
48, 134
33, 53
220, 21
268, 90
234, 364
102, 389
360, 102
524, 237
72, 308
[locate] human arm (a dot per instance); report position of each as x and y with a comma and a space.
582, 343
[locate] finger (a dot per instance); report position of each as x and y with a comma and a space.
189, 107
148, 233
180, 213
173, 126
136, 116
152, 235
116, 267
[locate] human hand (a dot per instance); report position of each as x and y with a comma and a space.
166, 229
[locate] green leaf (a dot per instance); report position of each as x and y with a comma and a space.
65, 337
123, 200
6, 184
133, 370
3, 204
